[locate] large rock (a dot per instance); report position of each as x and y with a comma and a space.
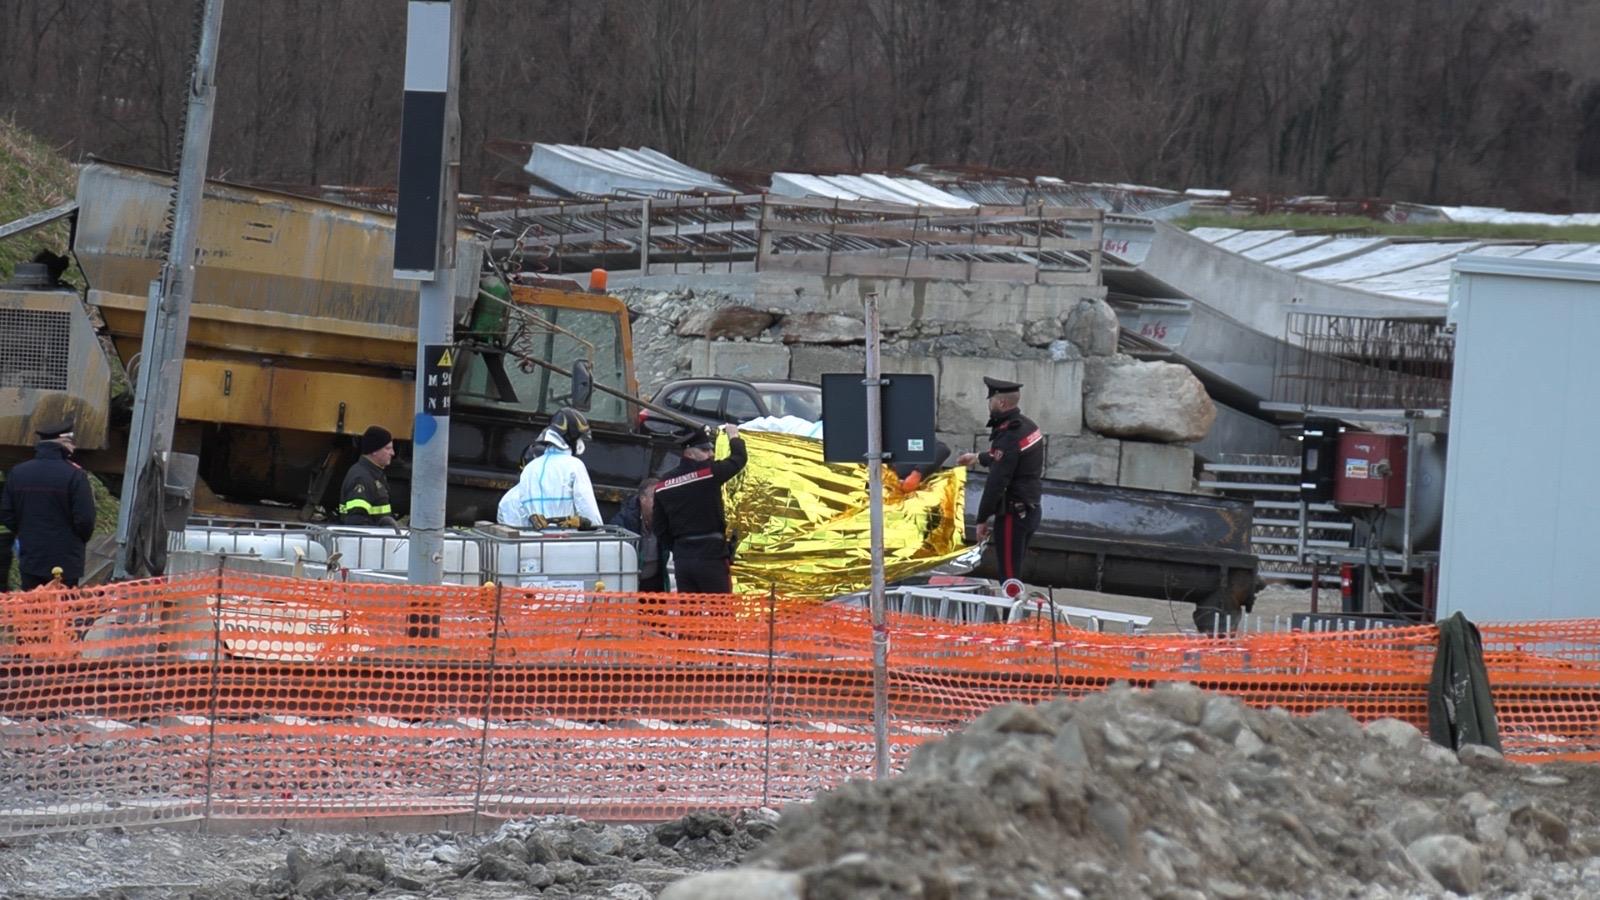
750, 360
1092, 325
823, 328
1154, 401
726, 322
1451, 859
1082, 457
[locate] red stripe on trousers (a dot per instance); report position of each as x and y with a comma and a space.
1005, 542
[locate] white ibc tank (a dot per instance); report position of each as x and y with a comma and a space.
381, 550
606, 558
266, 543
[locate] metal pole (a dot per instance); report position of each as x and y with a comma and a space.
772, 643
430, 447
644, 237
880, 626
488, 707
166, 333
425, 238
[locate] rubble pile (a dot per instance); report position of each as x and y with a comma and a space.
555, 856
1170, 793
1176, 794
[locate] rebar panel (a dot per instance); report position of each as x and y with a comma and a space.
1364, 363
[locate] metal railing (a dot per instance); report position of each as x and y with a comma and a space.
1359, 362
1036, 243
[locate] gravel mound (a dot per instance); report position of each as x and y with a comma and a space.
1174, 793
555, 856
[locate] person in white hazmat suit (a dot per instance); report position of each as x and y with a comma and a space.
554, 490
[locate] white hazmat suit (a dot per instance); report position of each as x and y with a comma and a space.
556, 485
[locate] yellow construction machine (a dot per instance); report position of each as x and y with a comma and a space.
300, 337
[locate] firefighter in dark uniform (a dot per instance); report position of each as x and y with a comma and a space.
689, 521
1015, 460
364, 496
48, 505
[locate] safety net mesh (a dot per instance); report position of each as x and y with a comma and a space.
237, 696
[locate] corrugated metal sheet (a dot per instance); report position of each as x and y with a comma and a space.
1246, 240
592, 171
1285, 246
1494, 215
1408, 269
885, 188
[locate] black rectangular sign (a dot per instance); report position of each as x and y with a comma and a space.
908, 411
436, 379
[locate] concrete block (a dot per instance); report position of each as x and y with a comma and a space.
1082, 457
904, 303
751, 361
1052, 393
809, 363
910, 365
1156, 467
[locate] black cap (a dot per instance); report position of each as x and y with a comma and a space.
699, 439
60, 429
375, 438
996, 386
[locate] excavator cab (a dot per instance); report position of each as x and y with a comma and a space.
533, 349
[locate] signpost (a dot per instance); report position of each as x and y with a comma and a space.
424, 251
891, 421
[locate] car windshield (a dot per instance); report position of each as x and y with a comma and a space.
804, 402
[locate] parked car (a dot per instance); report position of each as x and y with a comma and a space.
718, 400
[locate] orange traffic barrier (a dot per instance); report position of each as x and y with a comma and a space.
230, 695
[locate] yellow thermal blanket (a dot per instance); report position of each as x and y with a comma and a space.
804, 524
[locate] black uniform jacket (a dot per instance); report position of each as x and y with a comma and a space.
1015, 460
48, 503
364, 496
689, 521
631, 518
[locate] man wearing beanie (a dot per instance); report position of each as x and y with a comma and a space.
364, 496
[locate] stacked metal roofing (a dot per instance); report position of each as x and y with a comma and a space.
883, 188
1399, 267
1496, 216
591, 171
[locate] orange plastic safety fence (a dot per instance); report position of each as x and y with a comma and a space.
238, 696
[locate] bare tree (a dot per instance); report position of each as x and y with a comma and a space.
1467, 100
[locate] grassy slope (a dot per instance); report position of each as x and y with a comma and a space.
1311, 223
33, 178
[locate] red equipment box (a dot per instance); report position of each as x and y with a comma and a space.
1371, 470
